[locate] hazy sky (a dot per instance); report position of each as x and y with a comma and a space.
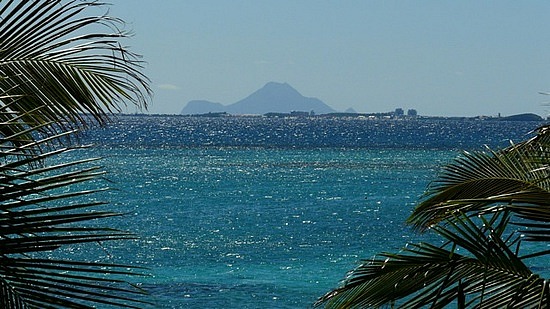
456, 58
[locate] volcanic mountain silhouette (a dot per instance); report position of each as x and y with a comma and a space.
273, 97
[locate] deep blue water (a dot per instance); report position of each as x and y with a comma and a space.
189, 132
270, 213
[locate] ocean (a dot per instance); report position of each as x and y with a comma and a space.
268, 212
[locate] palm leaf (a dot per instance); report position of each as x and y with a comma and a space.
487, 275
516, 179
54, 71
36, 216
60, 70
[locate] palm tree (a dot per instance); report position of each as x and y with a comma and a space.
485, 206
61, 70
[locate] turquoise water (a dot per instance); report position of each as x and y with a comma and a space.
278, 220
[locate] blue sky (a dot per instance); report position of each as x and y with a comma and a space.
455, 58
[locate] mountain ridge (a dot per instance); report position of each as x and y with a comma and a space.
273, 97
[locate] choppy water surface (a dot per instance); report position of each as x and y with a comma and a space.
155, 132
270, 213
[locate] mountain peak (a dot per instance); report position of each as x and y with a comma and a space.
277, 85
277, 91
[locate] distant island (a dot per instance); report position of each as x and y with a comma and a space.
271, 98
372, 116
282, 100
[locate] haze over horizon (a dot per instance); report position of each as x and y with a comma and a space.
442, 58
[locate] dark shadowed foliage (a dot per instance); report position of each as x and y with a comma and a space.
486, 207
62, 67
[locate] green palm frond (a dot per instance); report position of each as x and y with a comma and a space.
516, 179
474, 267
43, 208
481, 264
56, 68
60, 69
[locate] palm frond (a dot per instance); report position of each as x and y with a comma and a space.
487, 274
60, 69
43, 208
516, 179
54, 70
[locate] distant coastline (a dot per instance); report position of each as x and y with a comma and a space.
365, 116
281, 100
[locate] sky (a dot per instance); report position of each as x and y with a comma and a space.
442, 58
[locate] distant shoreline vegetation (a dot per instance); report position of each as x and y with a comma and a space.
366, 116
